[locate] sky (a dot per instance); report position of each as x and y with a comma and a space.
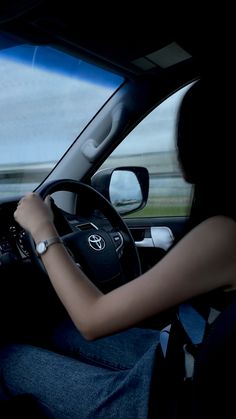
40, 109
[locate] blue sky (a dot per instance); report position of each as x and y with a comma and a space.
42, 111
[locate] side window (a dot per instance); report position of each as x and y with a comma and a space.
152, 144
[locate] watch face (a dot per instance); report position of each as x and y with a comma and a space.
41, 247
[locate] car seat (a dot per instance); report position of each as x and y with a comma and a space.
213, 388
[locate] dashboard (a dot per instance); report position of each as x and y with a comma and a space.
13, 240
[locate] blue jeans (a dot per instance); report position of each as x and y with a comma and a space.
108, 378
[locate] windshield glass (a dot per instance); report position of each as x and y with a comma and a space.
47, 97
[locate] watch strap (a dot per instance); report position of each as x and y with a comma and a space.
43, 245
52, 240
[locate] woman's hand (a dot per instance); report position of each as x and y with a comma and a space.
34, 214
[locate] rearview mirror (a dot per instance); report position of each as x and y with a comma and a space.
125, 187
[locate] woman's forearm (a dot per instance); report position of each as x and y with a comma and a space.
76, 292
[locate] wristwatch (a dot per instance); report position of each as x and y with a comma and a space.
42, 246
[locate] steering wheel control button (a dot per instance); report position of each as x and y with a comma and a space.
96, 242
118, 240
42, 246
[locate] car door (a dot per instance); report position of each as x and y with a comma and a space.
152, 145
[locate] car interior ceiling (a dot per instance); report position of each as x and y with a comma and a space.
43, 22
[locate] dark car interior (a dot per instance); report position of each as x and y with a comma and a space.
57, 23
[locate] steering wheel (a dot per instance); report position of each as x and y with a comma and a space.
102, 245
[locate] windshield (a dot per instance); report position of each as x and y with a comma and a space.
47, 97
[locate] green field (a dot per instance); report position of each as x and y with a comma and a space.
164, 208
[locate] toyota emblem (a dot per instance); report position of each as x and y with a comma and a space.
96, 242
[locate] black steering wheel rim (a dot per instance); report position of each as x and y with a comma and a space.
130, 266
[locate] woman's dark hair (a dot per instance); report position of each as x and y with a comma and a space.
205, 150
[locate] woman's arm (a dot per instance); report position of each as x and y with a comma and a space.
202, 261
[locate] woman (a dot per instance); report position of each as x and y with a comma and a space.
106, 378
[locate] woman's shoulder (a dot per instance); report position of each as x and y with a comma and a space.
207, 254
219, 224
217, 235
221, 220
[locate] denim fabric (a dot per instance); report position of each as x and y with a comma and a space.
119, 351
108, 378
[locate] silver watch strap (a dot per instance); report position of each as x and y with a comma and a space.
52, 240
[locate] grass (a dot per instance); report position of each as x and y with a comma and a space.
162, 211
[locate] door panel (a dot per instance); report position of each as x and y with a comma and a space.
155, 236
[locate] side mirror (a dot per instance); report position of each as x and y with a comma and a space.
125, 187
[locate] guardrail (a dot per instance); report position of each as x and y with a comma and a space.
22, 178
26, 173
17, 179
